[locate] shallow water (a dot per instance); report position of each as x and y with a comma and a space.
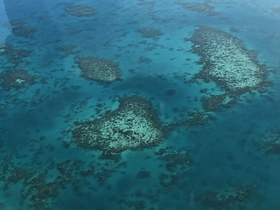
226, 158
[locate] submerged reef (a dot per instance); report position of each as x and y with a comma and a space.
230, 198
40, 188
216, 102
132, 125
17, 22
67, 49
80, 10
268, 143
16, 79
177, 163
150, 32
23, 31
202, 7
226, 62
194, 118
99, 69
15, 56
175, 160
36, 189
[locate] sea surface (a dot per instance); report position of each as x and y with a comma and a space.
224, 158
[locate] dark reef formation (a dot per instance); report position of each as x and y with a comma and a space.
80, 10
99, 69
150, 32
226, 62
133, 125
16, 79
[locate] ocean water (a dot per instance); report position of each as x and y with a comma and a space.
221, 158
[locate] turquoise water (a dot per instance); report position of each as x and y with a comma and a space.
230, 161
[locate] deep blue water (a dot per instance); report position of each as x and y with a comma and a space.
226, 154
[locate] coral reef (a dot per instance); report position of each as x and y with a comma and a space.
168, 180
174, 159
40, 188
134, 205
99, 69
132, 126
198, 117
17, 22
16, 79
67, 49
15, 56
35, 187
225, 199
143, 174
150, 33
202, 7
268, 143
193, 118
80, 10
176, 163
216, 102
226, 62
23, 31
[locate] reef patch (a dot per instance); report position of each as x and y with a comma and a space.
80, 10
133, 125
99, 69
16, 79
226, 61
150, 33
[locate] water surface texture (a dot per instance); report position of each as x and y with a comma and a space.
139, 105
